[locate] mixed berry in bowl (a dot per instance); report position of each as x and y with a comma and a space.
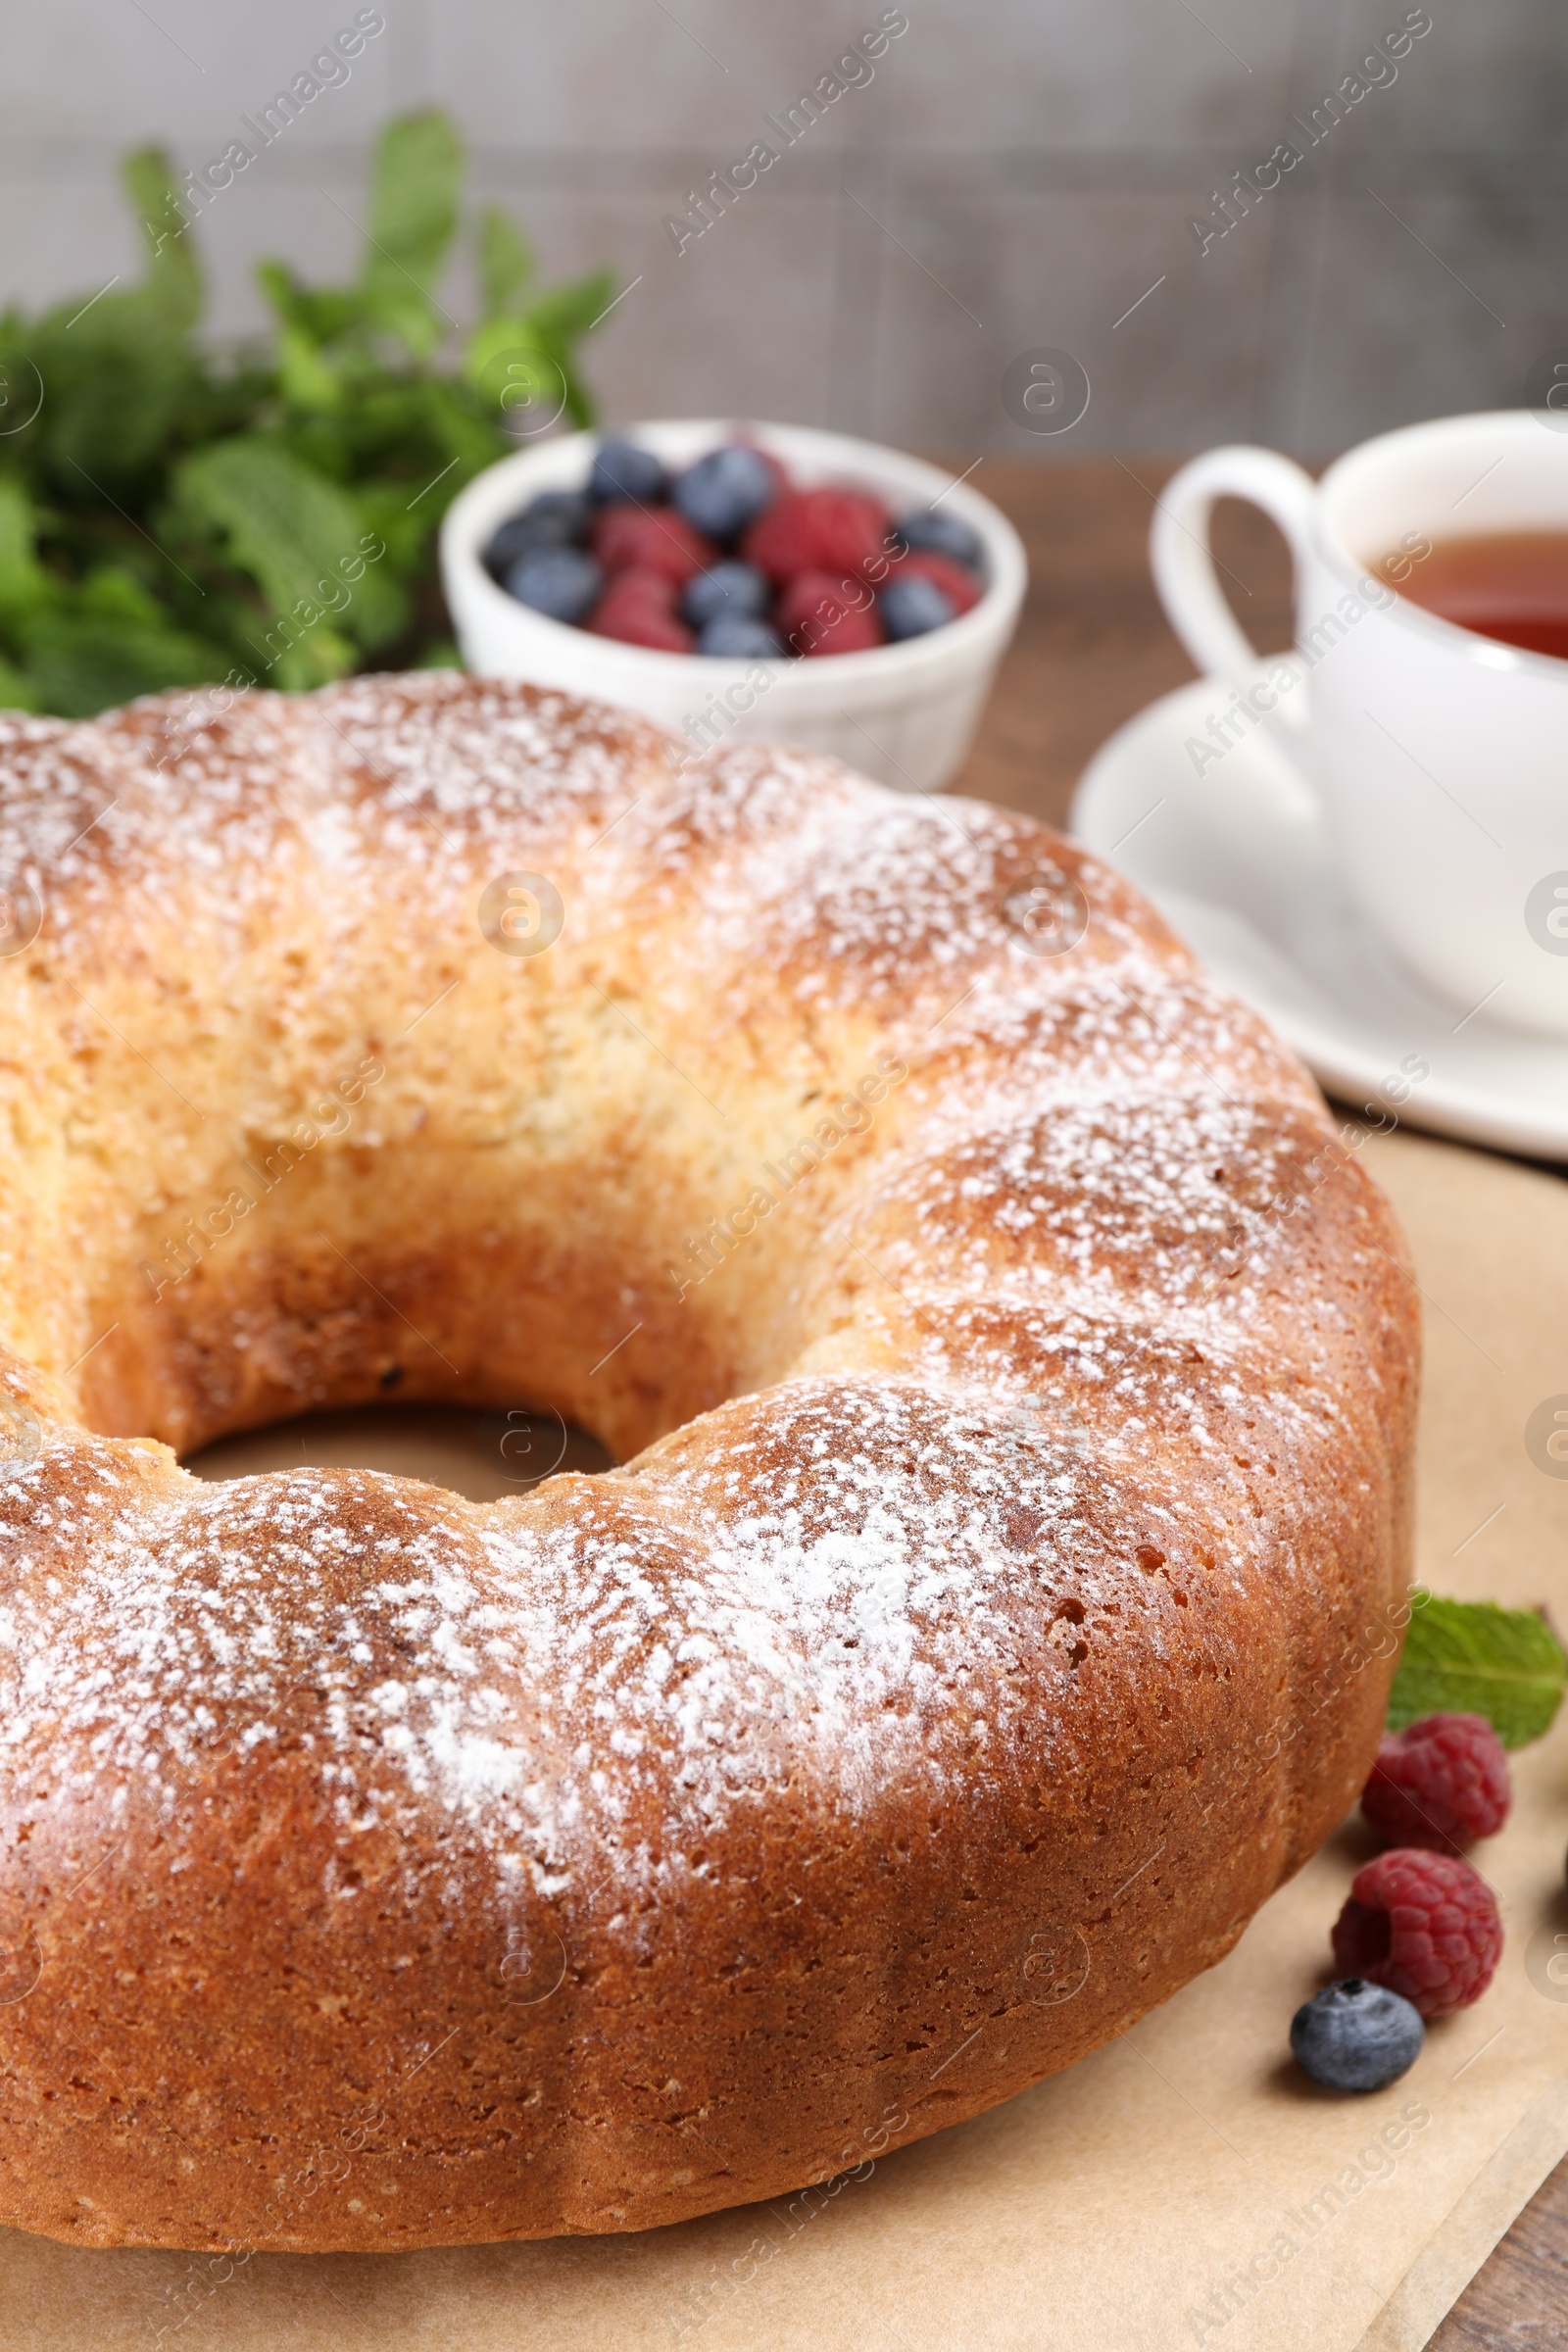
730, 559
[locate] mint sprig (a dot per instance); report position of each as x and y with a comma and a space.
1472, 1657
173, 513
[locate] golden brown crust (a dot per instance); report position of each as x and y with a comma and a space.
1015, 1385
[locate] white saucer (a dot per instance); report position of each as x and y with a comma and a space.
1238, 863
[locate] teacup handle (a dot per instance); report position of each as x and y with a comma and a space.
1183, 561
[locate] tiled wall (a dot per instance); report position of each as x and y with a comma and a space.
1014, 174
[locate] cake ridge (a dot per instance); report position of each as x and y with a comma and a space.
996, 1508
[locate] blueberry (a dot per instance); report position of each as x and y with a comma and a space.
739, 639
738, 589
940, 534
1357, 2037
557, 517
724, 491
909, 607
560, 581
554, 519
623, 471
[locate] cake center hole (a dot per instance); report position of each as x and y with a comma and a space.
482, 1455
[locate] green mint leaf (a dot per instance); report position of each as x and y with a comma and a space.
284, 294
404, 531
443, 655
299, 537
18, 692
173, 271
115, 593
307, 380
557, 318
416, 180
1471, 1657
511, 370
118, 376
567, 312
174, 509
458, 427
314, 658
24, 582
318, 314
506, 262
78, 666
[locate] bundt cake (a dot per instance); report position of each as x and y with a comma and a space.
1012, 1374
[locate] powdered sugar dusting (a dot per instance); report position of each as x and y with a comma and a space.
848, 1581
829, 1580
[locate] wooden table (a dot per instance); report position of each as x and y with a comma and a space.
1093, 648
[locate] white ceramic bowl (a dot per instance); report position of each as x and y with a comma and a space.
905, 714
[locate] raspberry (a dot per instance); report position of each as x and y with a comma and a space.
856, 633
628, 538
1425, 1925
853, 530
956, 581
818, 530
639, 607
783, 541
798, 604
814, 615
1442, 1783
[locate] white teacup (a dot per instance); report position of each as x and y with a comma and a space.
1440, 758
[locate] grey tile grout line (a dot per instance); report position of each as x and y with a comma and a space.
692, 36
913, 257
167, 35
1437, 258
1213, 35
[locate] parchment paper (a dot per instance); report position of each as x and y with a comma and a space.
1183, 2186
